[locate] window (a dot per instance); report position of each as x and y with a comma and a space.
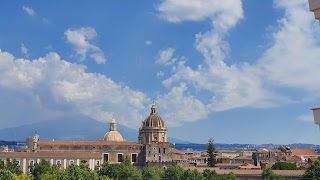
133, 157
164, 150
159, 150
31, 162
97, 162
58, 162
119, 157
105, 157
71, 161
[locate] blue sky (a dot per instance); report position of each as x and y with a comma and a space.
235, 71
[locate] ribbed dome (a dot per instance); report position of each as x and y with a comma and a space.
154, 120
113, 136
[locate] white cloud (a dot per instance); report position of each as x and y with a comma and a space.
50, 85
291, 61
29, 10
176, 107
148, 42
24, 50
80, 39
306, 117
160, 74
165, 57
176, 11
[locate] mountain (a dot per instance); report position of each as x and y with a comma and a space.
70, 128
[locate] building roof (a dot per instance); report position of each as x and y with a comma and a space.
176, 151
154, 120
243, 158
304, 152
87, 143
44, 155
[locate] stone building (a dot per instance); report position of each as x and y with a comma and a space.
298, 156
152, 149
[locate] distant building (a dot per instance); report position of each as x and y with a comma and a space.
297, 156
152, 149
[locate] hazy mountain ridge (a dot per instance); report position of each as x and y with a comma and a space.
70, 128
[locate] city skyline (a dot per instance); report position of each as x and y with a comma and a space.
235, 71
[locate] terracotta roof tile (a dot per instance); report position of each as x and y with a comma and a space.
88, 143
176, 151
45, 155
304, 152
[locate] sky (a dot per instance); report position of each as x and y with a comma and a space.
235, 71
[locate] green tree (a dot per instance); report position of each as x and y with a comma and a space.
229, 176
173, 173
6, 175
13, 166
21, 177
123, 170
313, 171
211, 150
192, 175
40, 168
104, 170
152, 173
268, 174
126, 161
210, 175
2, 164
284, 166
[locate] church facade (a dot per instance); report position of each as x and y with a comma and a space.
152, 149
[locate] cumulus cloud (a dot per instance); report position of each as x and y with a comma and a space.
165, 57
81, 40
50, 85
29, 11
24, 50
291, 61
177, 107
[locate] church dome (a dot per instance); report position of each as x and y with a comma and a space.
113, 134
154, 120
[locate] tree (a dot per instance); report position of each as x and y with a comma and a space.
211, 150
268, 174
13, 166
284, 166
313, 171
192, 175
21, 177
152, 173
229, 176
173, 173
40, 168
210, 175
6, 175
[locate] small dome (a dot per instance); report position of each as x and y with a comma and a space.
113, 136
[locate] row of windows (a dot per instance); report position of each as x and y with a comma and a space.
120, 157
